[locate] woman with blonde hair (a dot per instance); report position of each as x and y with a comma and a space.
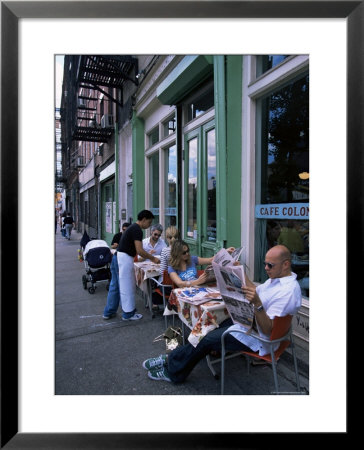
172, 234
182, 266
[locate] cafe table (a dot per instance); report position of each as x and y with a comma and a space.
145, 270
201, 315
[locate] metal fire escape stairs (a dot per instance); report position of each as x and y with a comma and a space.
96, 72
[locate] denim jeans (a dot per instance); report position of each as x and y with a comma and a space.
183, 359
113, 296
68, 227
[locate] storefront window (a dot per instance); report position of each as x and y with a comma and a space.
282, 189
267, 62
170, 184
211, 186
192, 189
154, 186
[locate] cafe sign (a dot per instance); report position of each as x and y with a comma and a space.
297, 211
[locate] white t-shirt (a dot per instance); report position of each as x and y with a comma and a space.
280, 297
159, 246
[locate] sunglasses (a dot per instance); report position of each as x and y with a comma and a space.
185, 252
157, 235
271, 265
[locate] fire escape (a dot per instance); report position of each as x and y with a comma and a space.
94, 74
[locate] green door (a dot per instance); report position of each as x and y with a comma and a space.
200, 222
108, 211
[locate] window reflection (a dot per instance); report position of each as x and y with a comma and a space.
154, 186
169, 126
285, 141
153, 137
192, 189
267, 62
200, 105
283, 177
170, 187
211, 186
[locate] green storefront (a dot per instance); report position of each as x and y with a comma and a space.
206, 92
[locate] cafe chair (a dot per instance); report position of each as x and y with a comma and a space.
161, 289
282, 334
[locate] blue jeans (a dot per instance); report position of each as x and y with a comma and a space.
183, 359
68, 227
113, 296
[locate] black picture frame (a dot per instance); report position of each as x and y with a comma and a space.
11, 12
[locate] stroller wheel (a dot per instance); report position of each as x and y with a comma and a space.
91, 290
84, 281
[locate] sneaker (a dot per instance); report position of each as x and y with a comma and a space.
109, 317
159, 374
155, 363
135, 317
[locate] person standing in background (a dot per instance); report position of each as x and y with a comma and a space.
69, 224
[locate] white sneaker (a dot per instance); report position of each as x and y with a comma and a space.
135, 317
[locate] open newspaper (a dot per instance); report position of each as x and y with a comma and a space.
223, 257
230, 278
198, 295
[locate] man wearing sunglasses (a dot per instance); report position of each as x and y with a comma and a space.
279, 296
154, 244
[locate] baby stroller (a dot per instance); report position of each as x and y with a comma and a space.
97, 258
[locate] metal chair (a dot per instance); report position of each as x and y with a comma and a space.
161, 289
282, 334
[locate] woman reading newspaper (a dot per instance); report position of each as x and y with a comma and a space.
279, 296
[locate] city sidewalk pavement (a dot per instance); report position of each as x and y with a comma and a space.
104, 357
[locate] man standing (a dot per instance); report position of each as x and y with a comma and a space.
279, 296
68, 223
122, 286
154, 244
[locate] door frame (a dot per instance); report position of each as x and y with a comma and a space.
199, 245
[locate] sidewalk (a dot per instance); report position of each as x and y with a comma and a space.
99, 357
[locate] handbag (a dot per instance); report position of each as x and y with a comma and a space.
172, 336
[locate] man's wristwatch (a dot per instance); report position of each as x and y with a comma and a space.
259, 308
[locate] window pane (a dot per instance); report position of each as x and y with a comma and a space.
284, 144
211, 186
282, 190
200, 105
192, 189
169, 127
153, 137
154, 186
266, 62
170, 187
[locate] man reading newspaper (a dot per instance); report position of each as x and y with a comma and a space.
278, 296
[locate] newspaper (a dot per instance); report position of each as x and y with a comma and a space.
198, 295
224, 258
230, 280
